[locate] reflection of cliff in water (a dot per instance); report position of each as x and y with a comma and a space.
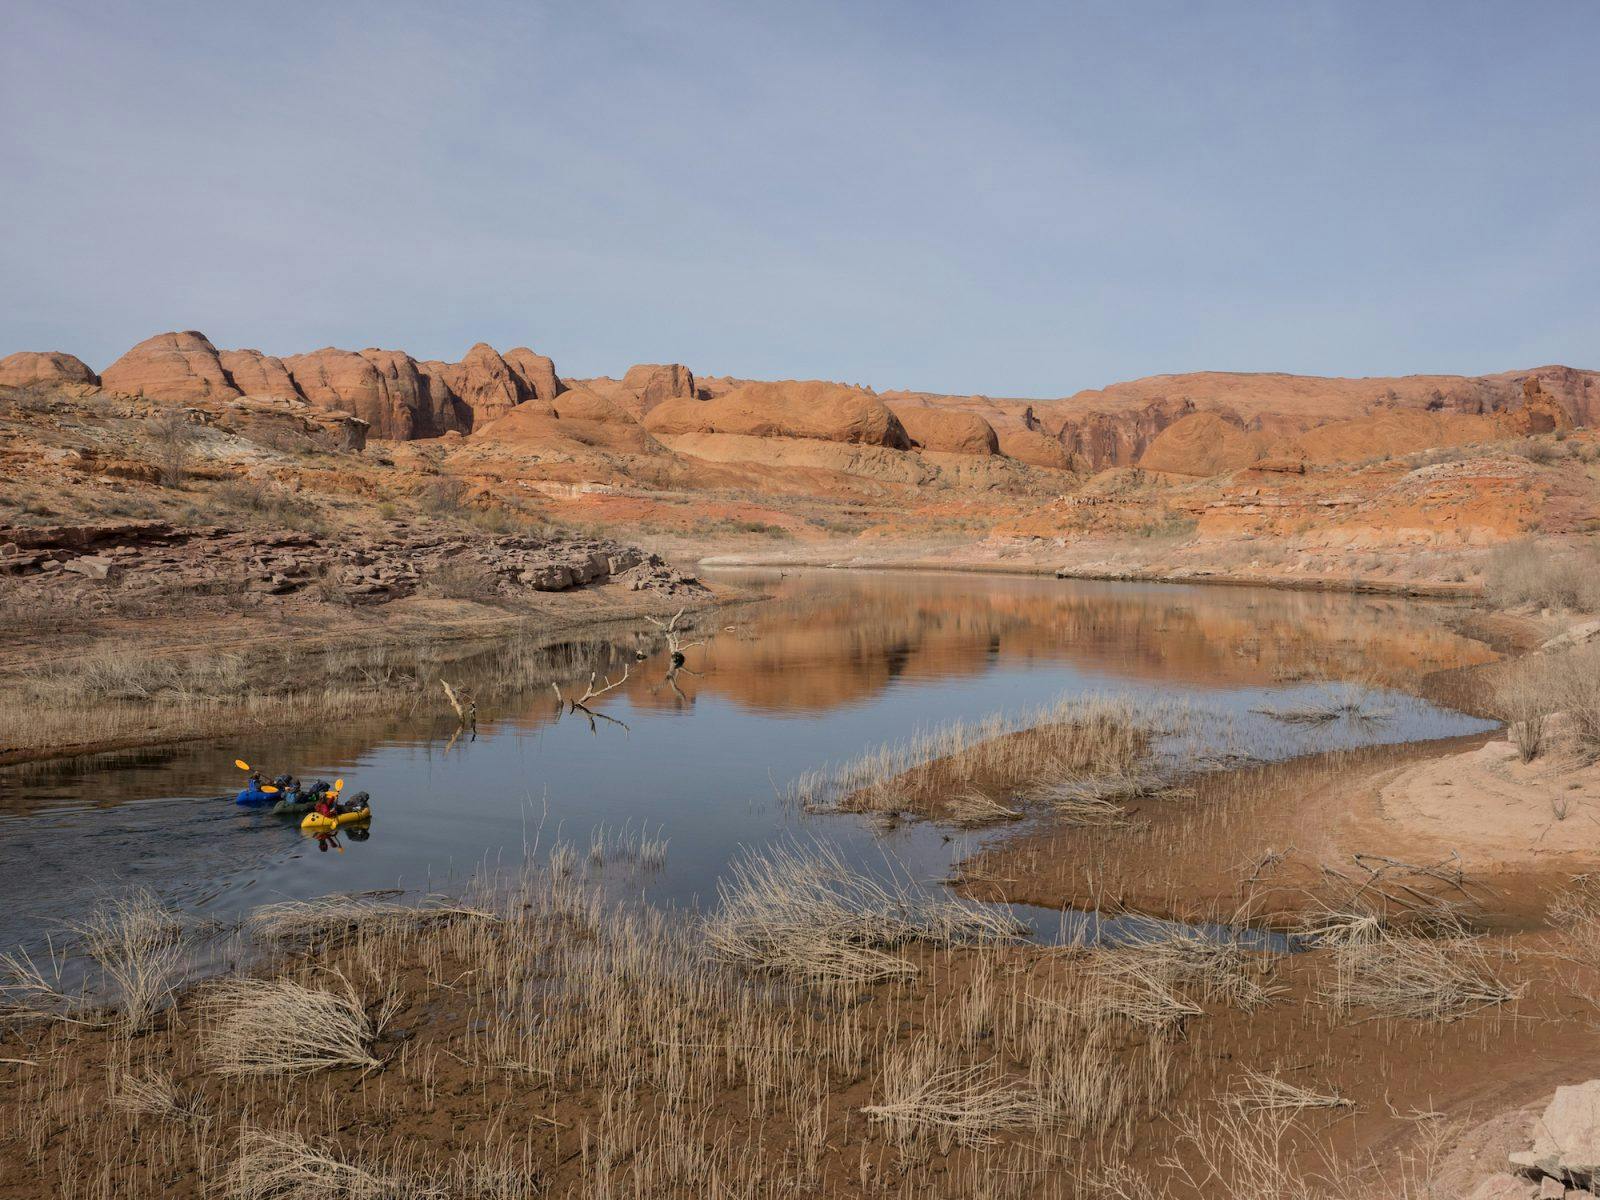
832, 638
511, 678
826, 640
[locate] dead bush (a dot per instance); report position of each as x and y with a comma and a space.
1530, 572
1524, 701
172, 438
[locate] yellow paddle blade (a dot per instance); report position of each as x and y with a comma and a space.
338, 785
241, 764
269, 789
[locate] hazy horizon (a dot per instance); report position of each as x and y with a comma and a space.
1024, 202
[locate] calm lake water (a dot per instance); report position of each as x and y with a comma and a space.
835, 664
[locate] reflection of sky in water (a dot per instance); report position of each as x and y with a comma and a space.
703, 776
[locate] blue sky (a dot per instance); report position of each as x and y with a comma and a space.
1018, 199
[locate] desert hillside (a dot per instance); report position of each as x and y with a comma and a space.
1211, 473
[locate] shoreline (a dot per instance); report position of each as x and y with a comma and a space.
532, 630
1375, 587
544, 628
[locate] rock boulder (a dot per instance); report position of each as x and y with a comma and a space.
171, 366
1566, 1139
657, 383
950, 431
28, 368
258, 374
351, 382
536, 371
830, 412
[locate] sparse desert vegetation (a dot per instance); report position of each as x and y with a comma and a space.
817, 1034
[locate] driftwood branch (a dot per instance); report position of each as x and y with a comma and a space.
580, 704
675, 643
466, 713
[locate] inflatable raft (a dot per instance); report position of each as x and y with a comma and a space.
255, 797
284, 808
317, 823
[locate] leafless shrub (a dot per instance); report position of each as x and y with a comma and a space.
444, 496
1533, 572
1524, 702
463, 578
1245, 1155
1577, 693
268, 503
1536, 450
173, 439
280, 1027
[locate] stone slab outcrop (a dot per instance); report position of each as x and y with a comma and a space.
358, 568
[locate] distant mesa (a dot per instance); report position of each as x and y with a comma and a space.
398, 396
1199, 424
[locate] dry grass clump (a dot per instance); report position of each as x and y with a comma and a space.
31, 992
1333, 702
1213, 966
153, 1093
113, 672
977, 772
328, 920
280, 1027
805, 913
1576, 912
919, 1091
141, 947
1260, 1092
288, 1165
1420, 978
641, 848
1126, 987
1532, 572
